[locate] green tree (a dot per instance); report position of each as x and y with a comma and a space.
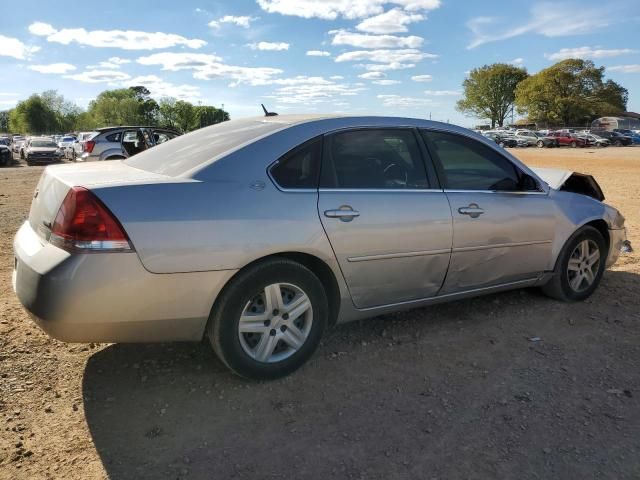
4, 121
571, 92
489, 92
209, 115
33, 115
186, 116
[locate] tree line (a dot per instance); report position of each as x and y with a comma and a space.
50, 112
570, 93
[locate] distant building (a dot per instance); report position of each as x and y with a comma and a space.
630, 120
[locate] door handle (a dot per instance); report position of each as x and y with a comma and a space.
473, 210
344, 213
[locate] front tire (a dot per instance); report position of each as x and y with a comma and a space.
573, 144
580, 266
269, 320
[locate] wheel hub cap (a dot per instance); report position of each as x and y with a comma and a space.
583, 265
275, 323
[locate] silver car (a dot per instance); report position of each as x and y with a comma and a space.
260, 233
118, 143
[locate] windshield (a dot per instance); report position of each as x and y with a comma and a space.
43, 143
67, 139
189, 151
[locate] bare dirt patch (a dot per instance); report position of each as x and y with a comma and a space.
451, 391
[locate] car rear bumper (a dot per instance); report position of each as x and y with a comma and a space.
109, 297
618, 244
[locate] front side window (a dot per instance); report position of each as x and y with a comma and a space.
373, 159
466, 164
300, 167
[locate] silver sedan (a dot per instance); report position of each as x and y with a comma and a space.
260, 233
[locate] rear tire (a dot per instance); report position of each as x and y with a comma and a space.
579, 267
276, 345
540, 144
573, 144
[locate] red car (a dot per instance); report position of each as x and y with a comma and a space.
568, 139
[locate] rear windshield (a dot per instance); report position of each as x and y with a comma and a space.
189, 151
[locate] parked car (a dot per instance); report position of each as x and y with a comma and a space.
635, 137
616, 139
16, 144
260, 233
502, 140
6, 141
118, 143
537, 140
595, 140
41, 150
78, 147
65, 142
568, 139
6, 157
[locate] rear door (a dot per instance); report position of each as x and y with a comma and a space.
387, 221
502, 229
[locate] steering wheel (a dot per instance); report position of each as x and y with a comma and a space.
396, 174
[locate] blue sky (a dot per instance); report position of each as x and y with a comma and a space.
398, 57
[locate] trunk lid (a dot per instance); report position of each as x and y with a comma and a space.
56, 180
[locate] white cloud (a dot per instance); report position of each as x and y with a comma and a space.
385, 56
111, 63
350, 9
318, 53
392, 21
634, 68
272, 46
517, 61
548, 19
99, 76
240, 21
124, 39
160, 88
422, 78
383, 67
312, 91
361, 40
588, 52
386, 82
372, 75
12, 47
208, 67
442, 93
399, 101
58, 68
336, 77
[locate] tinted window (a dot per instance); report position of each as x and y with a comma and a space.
373, 159
299, 168
466, 164
114, 137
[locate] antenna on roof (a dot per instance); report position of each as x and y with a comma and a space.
267, 113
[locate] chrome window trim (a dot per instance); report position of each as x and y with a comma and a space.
380, 190
509, 192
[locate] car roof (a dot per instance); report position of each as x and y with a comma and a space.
122, 127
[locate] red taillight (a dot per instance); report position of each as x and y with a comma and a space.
83, 223
88, 146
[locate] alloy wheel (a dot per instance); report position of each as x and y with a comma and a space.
583, 265
275, 323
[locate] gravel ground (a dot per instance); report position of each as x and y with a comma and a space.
463, 390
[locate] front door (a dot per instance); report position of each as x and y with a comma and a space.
502, 227
390, 232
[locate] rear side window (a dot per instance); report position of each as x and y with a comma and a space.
466, 164
299, 168
114, 137
373, 159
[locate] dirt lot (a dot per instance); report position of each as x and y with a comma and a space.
452, 391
